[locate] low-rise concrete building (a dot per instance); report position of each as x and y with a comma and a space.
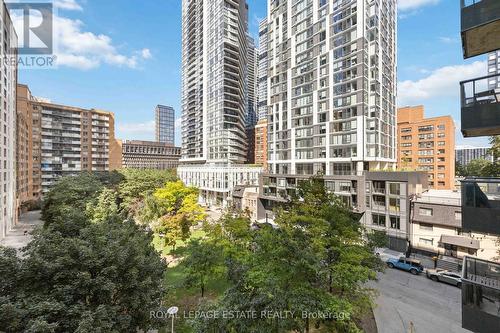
217, 182
383, 198
150, 155
246, 199
436, 228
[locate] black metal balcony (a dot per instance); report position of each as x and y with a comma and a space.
480, 295
481, 205
480, 26
480, 99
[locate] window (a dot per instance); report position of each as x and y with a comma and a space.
426, 226
395, 189
378, 220
426, 128
406, 130
395, 222
426, 241
425, 211
441, 127
394, 204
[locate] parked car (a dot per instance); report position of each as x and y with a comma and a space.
438, 275
407, 264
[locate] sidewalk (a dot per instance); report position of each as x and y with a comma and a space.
19, 236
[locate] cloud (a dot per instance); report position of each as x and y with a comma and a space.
178, 123
442, 82
146, 54
77, 48
408, 5
67, 5
136, 131
449, 40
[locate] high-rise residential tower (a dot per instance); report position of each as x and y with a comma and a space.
214, 63
215, 98
262, 71
165, 124
332, 84
251, 83
494, 68
8, 77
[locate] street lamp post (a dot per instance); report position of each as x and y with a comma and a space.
172, 311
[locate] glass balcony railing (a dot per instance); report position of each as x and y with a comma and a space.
480, 106
480, 20
480, 295
481, 205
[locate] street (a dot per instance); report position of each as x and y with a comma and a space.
19, 236
405, 298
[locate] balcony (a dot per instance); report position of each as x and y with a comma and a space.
481, 205
480, 99
480, 295
480, 26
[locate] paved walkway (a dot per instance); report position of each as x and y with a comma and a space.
19, 236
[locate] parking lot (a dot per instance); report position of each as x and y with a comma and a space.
406, 299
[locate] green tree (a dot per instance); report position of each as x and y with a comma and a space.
315, 260
106, 278
481, 168
495, 147
138, 184
172, 210
70, 192
203, 262
104, 207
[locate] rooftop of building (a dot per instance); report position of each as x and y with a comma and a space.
147, 143
441, 197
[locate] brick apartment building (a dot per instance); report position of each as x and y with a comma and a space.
427, 144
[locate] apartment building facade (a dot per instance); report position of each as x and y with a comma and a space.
464, 155
332, 86
252, 71
74, 140
261, 143
8, 76
262, 71
214, 82
165, 124
383, 199
215, 94
150, 155
28, 152
63, 141
427, 144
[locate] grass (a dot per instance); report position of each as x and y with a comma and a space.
175, 277
166, 250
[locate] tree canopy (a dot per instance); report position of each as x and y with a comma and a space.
315, 262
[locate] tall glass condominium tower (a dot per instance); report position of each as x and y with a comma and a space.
165, 124
262, 70
214, 96
332, 84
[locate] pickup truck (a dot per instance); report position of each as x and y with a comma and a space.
407, 264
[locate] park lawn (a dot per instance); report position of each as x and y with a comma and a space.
166, 250
175, 277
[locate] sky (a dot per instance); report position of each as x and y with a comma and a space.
124, 56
